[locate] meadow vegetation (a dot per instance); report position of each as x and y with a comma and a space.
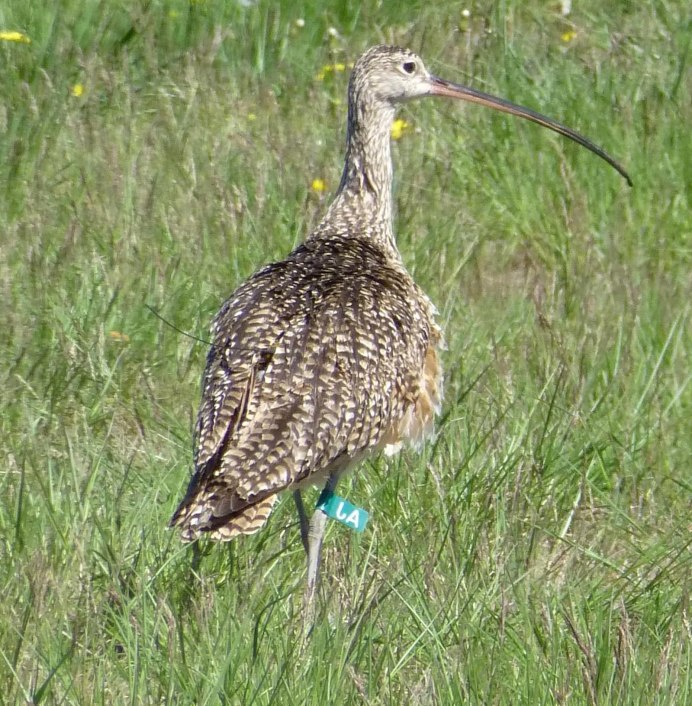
152, 156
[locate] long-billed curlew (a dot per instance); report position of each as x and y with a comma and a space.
330, 355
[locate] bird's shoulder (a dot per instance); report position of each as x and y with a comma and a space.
319, 275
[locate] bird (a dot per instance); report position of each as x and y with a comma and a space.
333, 354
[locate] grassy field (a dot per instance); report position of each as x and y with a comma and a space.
539, 550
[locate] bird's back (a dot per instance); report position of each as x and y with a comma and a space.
316, 361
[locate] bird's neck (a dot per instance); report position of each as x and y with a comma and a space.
363, 202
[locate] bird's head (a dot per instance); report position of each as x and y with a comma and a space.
389, 75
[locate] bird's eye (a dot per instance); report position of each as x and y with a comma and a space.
409, 67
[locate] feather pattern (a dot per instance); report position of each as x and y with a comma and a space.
323, 358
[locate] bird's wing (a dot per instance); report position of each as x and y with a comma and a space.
313, 361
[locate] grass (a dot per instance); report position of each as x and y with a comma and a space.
538, 551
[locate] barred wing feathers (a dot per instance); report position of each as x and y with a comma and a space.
315, 361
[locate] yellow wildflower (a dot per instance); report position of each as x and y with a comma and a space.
399, 127
319, 185
568, 36
10, 36
77, 90
118, 336
251, 117
330, 69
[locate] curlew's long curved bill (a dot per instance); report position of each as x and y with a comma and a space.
440, 87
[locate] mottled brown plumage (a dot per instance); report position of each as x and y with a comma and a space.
331, 354
323, 358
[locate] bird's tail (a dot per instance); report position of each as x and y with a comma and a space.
198, 518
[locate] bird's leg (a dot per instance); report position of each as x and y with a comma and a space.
318, 524
304, 524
